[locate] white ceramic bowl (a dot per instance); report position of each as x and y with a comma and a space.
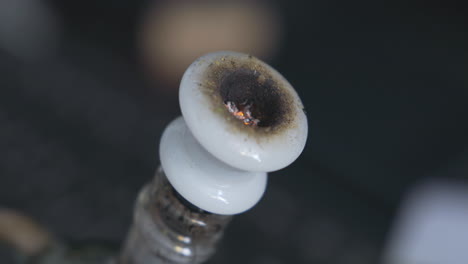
243, 112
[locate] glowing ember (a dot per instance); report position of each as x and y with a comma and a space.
243, 113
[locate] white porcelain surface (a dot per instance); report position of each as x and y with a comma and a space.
204, 180
237, 149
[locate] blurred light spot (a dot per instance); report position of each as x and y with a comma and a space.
28, 28
176, 33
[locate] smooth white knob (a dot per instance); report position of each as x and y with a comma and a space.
202, 179
241, 119
243, 112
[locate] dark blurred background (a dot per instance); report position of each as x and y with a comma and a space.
87, 87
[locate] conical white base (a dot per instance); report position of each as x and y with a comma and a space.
202, 179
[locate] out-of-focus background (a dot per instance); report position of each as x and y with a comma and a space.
87, 87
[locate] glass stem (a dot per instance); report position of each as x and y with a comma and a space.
168, 229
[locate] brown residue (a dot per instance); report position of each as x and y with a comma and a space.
247, 92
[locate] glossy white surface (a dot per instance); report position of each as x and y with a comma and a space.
237, 149
204, 180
